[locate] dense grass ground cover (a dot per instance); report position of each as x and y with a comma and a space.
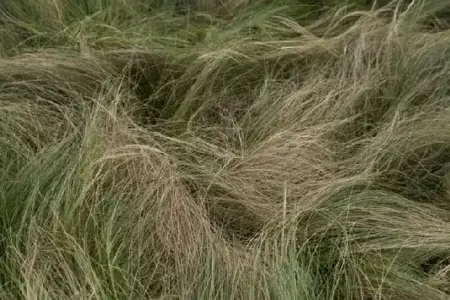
224, 149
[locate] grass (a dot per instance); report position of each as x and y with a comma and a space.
224, 149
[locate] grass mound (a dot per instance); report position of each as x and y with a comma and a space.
224, 149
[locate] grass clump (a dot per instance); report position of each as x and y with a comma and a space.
224, 150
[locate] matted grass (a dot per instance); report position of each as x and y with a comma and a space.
224, 150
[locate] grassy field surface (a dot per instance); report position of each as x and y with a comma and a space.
224, 150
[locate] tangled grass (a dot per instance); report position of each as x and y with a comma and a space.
224, 150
